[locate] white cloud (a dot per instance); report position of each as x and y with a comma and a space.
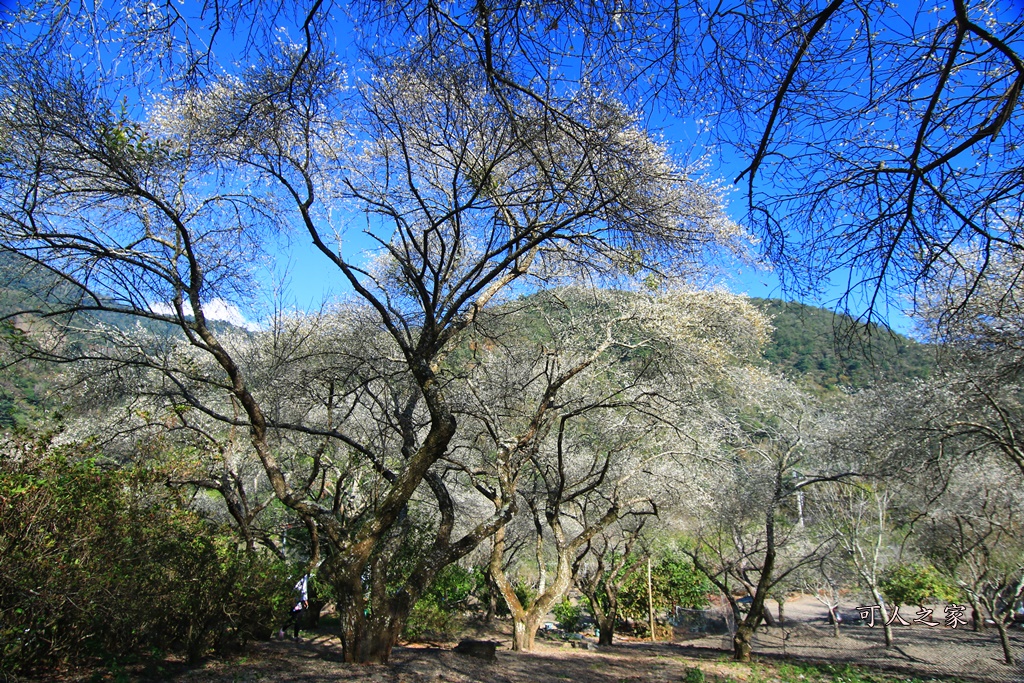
162, 309
216, 309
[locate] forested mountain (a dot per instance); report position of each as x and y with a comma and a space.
809, 344
827, 350
815, 346
27, 293
22, 385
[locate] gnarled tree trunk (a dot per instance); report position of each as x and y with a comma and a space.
526, 618
745, 631
604, 616
741, 642
1004, 640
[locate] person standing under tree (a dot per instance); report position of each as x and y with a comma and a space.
302, 604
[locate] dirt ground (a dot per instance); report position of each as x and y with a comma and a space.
919, 652
318, 661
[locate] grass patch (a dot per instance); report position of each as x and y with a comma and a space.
792, 672
724, 670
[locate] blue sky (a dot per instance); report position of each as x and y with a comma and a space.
302, 278
305, 279
308, 279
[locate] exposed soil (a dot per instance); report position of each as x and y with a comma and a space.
919, 652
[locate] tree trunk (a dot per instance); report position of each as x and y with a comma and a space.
834, 620
369, 630
526, 620
366, 639
741, 642
745, 631
524, 631
605, 619
1004, 638
977, 617
605, 630
366, 647
886, 627
542, 575
887, 630
1000, 617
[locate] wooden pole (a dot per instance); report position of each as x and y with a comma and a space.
650, 599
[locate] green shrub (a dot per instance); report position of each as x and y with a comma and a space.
104, 563
429, 620
675, 582
568, 615
452, 587
915, 584
438, 614
694, 675
525, 593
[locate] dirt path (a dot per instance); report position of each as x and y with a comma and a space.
806, 638
919, 653
316, 662
918, 649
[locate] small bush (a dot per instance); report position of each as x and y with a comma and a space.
104, 564
568, 615
674, 580
525, 593
694, 675
438, 614
430, 621
916, 584
452, 587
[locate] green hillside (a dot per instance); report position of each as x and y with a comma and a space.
804, 342
827, 350
23, 385
28, 292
